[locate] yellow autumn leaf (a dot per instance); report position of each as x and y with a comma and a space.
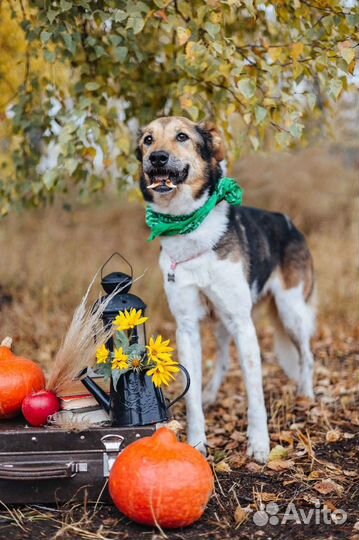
348, 54
278, 452
222, 466
183, 35
280, 464
240, 515
275, 53
296, 50
185, 102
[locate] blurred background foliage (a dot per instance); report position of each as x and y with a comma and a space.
77, 78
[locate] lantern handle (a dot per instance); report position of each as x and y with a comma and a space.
122, 257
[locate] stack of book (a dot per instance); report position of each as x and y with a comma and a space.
81, 405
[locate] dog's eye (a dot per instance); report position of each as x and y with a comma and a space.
181, 137
148, 140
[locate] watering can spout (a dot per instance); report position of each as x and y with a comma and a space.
100, 395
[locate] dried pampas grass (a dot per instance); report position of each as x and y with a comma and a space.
78, 350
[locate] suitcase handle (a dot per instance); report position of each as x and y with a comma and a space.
40, 471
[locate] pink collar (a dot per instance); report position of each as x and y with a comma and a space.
174, 264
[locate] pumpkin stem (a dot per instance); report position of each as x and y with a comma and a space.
6, 342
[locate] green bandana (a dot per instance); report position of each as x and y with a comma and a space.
169, 225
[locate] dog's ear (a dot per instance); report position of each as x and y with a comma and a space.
138, 151
213, 140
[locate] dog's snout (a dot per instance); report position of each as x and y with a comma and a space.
159, 158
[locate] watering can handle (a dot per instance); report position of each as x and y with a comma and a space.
188, 384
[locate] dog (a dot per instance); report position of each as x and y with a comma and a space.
236, 257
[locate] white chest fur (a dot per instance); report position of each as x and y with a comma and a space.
203, 239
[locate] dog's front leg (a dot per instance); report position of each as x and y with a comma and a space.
186, 308
189, 350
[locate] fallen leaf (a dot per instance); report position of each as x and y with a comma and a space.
222, 466
328, 486
330, 505
314, 475
283, 436
238, 436
240, 515
252, 466
175, 426
278, 452
280, 464
333, 436
238, 460
265, 496
356, 526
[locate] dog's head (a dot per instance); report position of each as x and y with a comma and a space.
176, 155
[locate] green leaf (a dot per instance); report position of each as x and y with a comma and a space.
136, 23
247, 88
116, 374
69, 43
45, 36
51, 15
335, 88
282, 138
121, 340
135, 350
100, 51
260, 114
49, 56
121, 54
120, 15
212, 29
64, 5
296, 130
49, 179
92, 86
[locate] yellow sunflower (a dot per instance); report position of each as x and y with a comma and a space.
120, 360
162, 373
129, 319
159, 350
102, 354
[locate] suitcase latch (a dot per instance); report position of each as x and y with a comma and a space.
112, 445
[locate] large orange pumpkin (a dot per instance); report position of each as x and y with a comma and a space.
158, 480
19, 377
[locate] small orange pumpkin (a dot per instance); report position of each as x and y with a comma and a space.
160, 481
19, 377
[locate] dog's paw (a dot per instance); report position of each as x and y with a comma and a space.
202, 447
258, 448
199, 443
305, 389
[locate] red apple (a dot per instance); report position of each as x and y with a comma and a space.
39, 406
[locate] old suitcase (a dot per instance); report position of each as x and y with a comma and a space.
43, 465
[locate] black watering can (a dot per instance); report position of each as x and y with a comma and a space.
135, 401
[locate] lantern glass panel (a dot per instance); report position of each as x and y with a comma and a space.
138, 335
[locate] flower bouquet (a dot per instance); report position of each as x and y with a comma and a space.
154, 359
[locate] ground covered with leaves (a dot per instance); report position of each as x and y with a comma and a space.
309, 488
